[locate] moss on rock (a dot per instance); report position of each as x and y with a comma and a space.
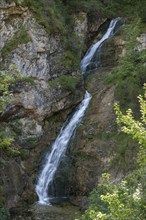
20, 37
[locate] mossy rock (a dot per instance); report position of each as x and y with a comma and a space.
69, 83
20, 37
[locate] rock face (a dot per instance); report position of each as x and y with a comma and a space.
99, 146
46, 91
40, 101
93, 150
39, 59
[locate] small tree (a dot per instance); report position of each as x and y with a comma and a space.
127, 199
135, 128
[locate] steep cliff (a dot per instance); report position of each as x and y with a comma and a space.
48, 87
100, 146
45, 91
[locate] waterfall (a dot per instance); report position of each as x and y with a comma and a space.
58, 148
93, 49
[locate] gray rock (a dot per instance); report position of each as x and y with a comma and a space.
34, 101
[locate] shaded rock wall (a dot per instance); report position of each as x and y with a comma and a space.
100, 146
40, 101
39, 104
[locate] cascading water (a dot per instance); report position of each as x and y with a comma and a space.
52, 159
58, 148
87, 59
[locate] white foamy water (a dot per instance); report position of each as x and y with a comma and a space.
58, 149
52, 159
92, 50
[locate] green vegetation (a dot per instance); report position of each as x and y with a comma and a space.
9, 79
48, 14
30, 143
69, 83
5, 79
124, 149
16, 126
109, 8
71, 58
24, 80
20, 37
127, 199
57, 17
135, 128
6, 139
75, 6
129, 76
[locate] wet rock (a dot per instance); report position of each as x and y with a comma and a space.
39, 212
94, 149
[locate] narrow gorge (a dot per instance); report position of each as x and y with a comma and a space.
61, 139
61, 143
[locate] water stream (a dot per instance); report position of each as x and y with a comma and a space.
52, 159
58, 148
95, 48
